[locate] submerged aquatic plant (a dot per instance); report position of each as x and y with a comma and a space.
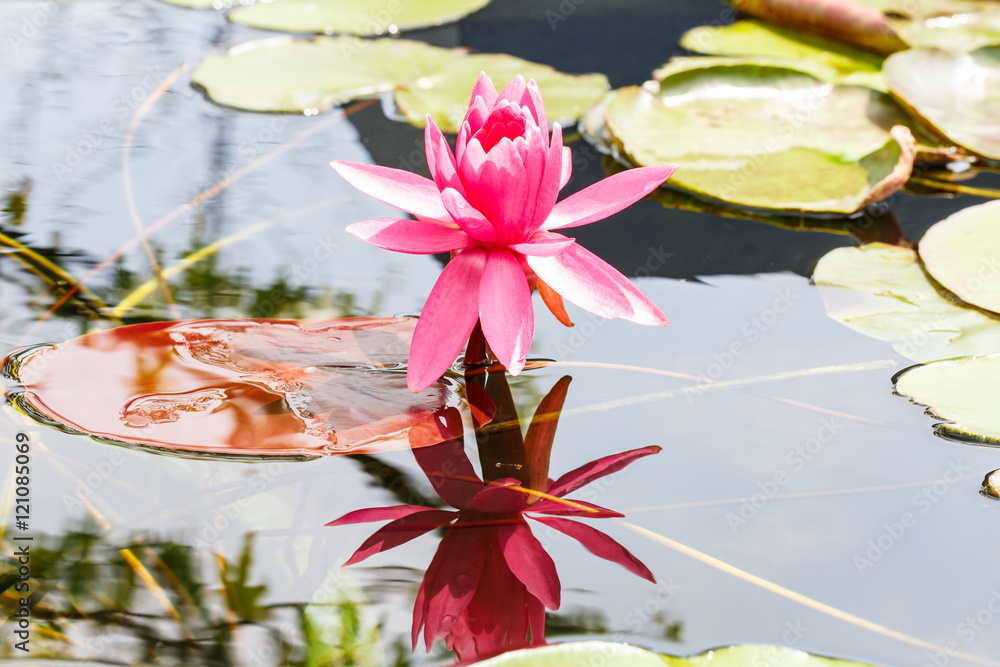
492, 203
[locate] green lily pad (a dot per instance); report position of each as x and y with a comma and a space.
964, 392
295, 76
829, 60
288, 75
991, 485
962, 252
445, 94
881, 291
609, 654
354, 17
957, 93
762, 136
950, 25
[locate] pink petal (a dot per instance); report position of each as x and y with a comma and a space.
607, 196
451, 580
447, 319
567, 167
468, 218
548, 192
505, 309
532, 100
400, 532
470, 167
535, 153
440, 159
402, 189
450, 473
529, 562
602, 467
487, 93
514, 90
599, 544
576, 276
501, 496
503, 191
594, 285
411, 236
543, 244
572, 508
372, 514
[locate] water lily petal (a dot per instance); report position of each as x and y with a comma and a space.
567, 167
532, 101
543, 245
529, 562
450, 581
574, 274
440, 160
594, 470
514, 91
548, 192
607, 196
467, 217
503, 191
501, 496
483, 99
573, 508
470, 167
401, 531
411, 236
373, 514
447, 319
599, 544
505, 309
403, 189
591, 283
535, 153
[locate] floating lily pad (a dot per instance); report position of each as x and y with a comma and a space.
957, 93
445, 94
991, 485
354, 17
233, 387
964, 392
881, 291
609, 654
762, 136
950, 25
829, 60
286, 75
962, 252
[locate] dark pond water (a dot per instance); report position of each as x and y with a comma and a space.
854, 462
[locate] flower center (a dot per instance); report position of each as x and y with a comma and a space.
503, 122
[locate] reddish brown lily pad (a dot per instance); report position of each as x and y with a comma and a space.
234, 387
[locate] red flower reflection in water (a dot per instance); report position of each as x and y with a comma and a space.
487, 587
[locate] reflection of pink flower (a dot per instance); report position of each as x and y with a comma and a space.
493, 203
490, 581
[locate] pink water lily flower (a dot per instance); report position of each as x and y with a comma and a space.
490, 580
492, 203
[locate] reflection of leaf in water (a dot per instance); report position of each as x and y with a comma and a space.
234, 387
962, 392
